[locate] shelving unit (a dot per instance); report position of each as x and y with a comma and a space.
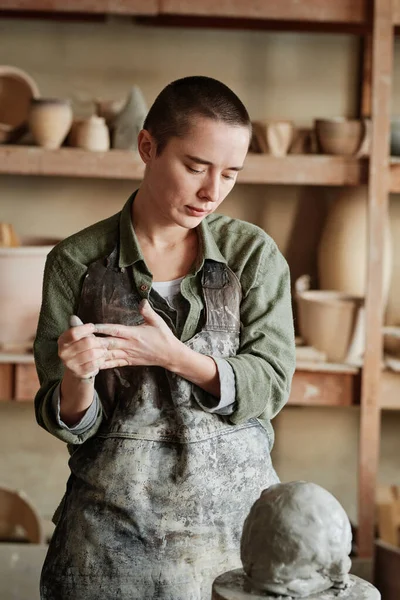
374, 20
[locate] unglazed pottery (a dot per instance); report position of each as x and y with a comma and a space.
17, 89
50, 121
328, 321
273, 136
129, 121
92, 134
346, 137
343, 248
109, 109
21, 274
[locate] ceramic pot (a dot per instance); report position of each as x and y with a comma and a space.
92, 134
346, 137
21, 274
109, 109
343, 250
50, 121
273, 136
330, 321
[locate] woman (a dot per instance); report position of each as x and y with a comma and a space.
166, 390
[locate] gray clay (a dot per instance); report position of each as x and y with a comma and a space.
296, 541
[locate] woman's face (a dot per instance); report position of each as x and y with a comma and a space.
194, 174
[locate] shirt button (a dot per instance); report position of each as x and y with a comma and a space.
144, 287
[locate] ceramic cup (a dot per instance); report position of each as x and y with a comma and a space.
273, 136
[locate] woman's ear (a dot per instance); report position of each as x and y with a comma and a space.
147, 146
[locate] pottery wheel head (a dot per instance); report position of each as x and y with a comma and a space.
296, 540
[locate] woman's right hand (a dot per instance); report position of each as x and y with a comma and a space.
81, 352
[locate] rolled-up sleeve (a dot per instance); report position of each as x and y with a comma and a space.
59, 301
265, 362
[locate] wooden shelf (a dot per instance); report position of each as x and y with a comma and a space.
320, 11
118, 7
325, 384
123, 164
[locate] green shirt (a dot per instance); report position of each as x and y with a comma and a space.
264, 365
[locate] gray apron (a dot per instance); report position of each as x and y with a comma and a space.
156, 500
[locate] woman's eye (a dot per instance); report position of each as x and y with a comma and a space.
228, 176
194, 170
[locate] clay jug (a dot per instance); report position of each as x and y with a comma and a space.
49, 121
92, 134
343, 250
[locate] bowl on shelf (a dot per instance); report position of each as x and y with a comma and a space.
333, 323
17, 89
342, 136
21, 275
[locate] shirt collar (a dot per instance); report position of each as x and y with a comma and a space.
130, 252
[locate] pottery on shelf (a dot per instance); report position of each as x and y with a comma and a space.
273, 136
129, 121
92, 134
21, 274
50, 121
343, 247
109, 109
332, 322
341, 136
17, 89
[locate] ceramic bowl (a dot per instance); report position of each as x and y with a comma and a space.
17, 89
339, 135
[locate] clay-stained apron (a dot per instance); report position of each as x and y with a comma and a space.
156, 501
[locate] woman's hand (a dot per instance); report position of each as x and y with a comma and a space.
149, 344
81, 352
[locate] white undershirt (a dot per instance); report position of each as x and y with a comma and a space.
168, 289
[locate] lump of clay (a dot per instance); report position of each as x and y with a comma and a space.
296, 541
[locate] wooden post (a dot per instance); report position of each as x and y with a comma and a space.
378, 191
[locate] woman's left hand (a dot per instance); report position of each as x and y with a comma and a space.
151, 343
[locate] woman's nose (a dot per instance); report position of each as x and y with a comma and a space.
210, 189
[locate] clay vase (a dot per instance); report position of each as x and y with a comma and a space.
343, 250
345, 137
49, 121
21, 274
273, 136
92, 134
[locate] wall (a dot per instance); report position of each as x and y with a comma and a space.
288, 75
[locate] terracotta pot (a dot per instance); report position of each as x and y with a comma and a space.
346, 137
92, 134
273, 136
329, 321
21, 274
49, 121
343, 250
17, 89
